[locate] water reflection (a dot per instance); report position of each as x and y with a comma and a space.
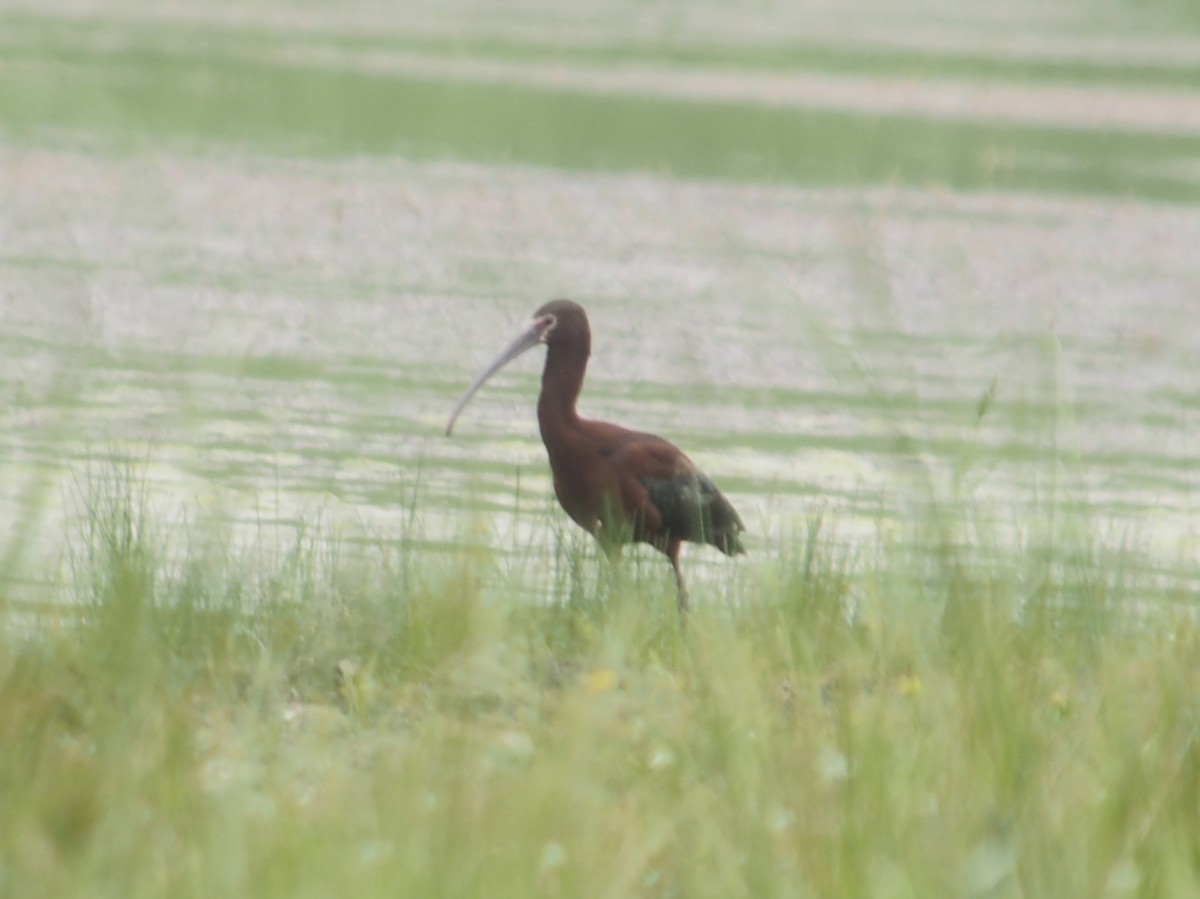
805, 347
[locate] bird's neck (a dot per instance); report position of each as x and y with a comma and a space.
562, 379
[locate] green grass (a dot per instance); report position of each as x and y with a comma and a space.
862, 719
137, 96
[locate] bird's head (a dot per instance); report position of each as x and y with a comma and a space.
562, 322
559, 323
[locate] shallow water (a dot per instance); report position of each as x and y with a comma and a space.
231, 267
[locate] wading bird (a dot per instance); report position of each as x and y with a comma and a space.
621, 486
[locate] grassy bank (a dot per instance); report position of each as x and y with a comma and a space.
134, 89
879, 720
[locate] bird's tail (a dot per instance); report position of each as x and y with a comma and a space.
727, 541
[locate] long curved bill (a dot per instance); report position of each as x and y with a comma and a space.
528, 340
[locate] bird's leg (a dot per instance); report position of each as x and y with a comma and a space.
612, 571
612, 554
681, 596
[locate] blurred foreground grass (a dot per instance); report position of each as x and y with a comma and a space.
878, 721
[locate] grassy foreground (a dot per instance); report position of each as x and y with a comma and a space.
879, 722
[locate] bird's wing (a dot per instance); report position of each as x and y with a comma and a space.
668, 491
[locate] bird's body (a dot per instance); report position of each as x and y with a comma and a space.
620, 485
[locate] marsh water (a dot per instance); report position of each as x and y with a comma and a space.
853, 259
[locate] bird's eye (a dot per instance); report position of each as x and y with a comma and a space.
546, 324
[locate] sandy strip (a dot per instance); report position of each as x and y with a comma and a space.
1031, 30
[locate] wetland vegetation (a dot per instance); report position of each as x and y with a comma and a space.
915, 286
878, 720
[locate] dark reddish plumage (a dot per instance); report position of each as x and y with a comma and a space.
622, 486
